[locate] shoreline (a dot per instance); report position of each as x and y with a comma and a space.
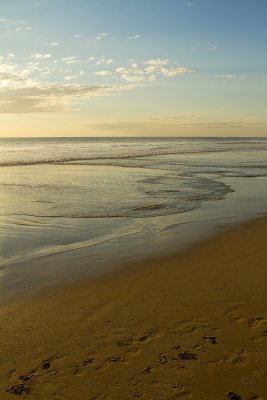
188, 326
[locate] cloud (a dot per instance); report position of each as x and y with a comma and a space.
73, 77
129, 71
102, 60
172, 124
6, 21
157, 61
156, 67
11, 78
16, 25
227, 76
134, 37
20, 93
54, 44
101, 35
39, 56
47, 97
103, 73
131, 74
170, 72
70, 60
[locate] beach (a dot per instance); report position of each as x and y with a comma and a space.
133, 212
191, 325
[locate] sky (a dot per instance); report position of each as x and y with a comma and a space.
133, 68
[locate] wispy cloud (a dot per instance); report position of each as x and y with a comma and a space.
102, 60
134, 37
226, 76
70, 60
151, 70
73, 77
48, 97
157, 61
103, 73
21, 93
39, 56
54, 44
15, 25
101, 35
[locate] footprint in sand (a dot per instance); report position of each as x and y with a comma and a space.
186, 355
147, 370
114, 359
211, 339
148, 335
124, 342
260, 337
23, 384
163, 359
19, 389
240, 360
256, 322
79, 369
183, 396
191, 327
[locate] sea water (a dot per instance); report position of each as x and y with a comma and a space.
73, 207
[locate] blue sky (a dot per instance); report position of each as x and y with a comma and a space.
151, 67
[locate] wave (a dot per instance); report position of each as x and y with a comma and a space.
62, 160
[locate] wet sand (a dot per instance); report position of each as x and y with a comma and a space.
188, 326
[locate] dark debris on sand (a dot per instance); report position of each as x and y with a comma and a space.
233, 396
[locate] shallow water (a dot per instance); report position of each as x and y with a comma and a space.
104, 200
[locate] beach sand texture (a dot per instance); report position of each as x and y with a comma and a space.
189, 326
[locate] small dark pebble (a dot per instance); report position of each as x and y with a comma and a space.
185, 355
46, 365
234, 396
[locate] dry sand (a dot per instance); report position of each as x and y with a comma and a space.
190, 326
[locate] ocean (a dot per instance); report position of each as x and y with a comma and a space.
72, 208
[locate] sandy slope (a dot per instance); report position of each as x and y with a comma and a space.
191, 326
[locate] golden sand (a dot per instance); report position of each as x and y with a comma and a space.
190, 326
